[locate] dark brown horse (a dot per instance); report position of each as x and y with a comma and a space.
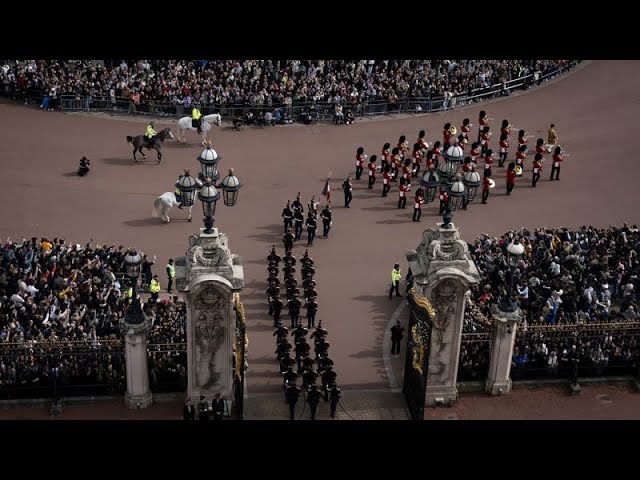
139, 142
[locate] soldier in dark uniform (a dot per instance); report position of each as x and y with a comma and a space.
291, 395
286, 362
287, 216
280, 332
277, 309
294, 310
321, 348
299, 332
308, 282
302, 351
396, 337
297, 205
312, 309
313, 398
347, 188
326, 220
289, 258
298, 221
307, 268
311, 228
309, 293
283, 349
289, 270
324, 362
272, 290
334, 397
288, 239
272, 270
328, 380
273, 256
289, 377
309, 377
203, 409
290, 282
319, 333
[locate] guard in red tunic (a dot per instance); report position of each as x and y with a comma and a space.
395, 163
417, 159
537, 169
488, 162
483, 121
386, 180
403, 189
406, 170
511, 177
465, 129
557, 160
475, 151
403, 146
430, 162
444, 200
360, 158
372, 170
486, 185
505, 129
522, 138
424, 145
540, 148
417, 204
385, 156
468, 165
462, 142
484, 139
446, 135
504, 146
437, 152
521, 155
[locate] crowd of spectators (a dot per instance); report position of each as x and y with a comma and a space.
261, 83
577, 291
61, 306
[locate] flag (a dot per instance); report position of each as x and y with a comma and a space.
326, 190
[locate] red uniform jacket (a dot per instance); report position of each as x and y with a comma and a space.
484, 138
417, 158
485, 183
419, 200
503, 146
465, 129
403, 189
505, 130
386, 178
511, 177
372, 169
406, 171
423, 144
520, 156
359, 160
557, 160
446, 136
537, 166
475, 153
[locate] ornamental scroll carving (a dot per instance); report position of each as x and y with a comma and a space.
434, 247
443, 301
210, 308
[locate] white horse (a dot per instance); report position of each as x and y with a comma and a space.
164, 203
208, 121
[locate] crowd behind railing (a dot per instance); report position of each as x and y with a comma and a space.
577, 291
61, 307
280, 91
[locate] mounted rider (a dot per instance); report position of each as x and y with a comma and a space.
149, 134
178, 191
196, 119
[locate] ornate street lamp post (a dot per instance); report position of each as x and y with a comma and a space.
515, 250
132, 262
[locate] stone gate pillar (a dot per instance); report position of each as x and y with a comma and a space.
136, 362
504, 336
443, 270
209, 276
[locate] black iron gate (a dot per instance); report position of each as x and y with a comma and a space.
414, 385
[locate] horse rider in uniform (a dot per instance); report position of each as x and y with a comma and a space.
178, 191
150, 133
196, 116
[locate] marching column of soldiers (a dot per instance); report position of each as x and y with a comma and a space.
296, 360
294, 221
401, 163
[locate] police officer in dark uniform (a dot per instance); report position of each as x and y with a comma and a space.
287, 240
311, 228
291, 395
298, 220
326, 220
312, 309
334, 397
396, 337
313, 398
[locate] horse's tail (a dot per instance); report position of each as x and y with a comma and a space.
157, 204
130, 139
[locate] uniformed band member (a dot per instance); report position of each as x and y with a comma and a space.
360, 158
504, 146
276, 306
280, 332
298, 222
371, 166
486, 185
484, 139
297, 204
403, 189
289, 377
466, 128
294, 305
557, 161
308, 282
424, 145
386, 180
309, 377
312, 206
292, 393
307, 269
483, 121
395, 163
326, 220
446, 135
328, 380
273, 256
313, 398
403, 146
488, 162
521, 155
347, 189
552, 136
537, 169
416, 157
334, 398
385, 156
288, 239
396, 276
444, 200
287, 216
311, 228
511, 177
417, 205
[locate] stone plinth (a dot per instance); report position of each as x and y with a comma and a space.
443, 271
209, 278
135, 346
505, 325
